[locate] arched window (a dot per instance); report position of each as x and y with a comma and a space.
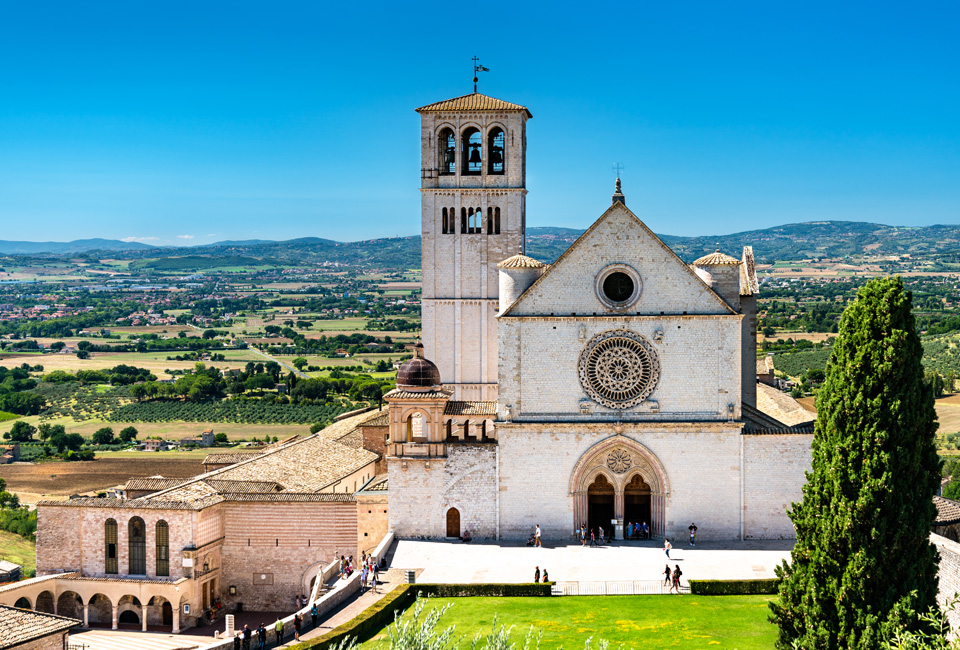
137, 533
415, 426
463, 221
445, 222
472, 152
452, 221
496, 151
496, 221
489, 221
110, 546
163, 548
447, 160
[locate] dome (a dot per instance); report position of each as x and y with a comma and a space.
520, 261
716, 259
418, 373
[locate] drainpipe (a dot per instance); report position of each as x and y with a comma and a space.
498, 486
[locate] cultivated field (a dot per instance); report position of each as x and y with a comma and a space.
155, 362
173, 430
36, 481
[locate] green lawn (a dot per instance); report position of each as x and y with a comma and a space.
18, 550
636, 622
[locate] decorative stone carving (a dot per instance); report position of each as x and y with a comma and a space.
619, 369
619, 461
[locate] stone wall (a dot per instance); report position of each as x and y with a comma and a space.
280, 541
701, 461
422, 491
373, 520
949, 575
774, 471
71, 538
56, 641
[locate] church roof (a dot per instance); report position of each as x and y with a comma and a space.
424, 394
948, 511
456, 407
18, 626
716, 259
781, 406
473, 102
520, 262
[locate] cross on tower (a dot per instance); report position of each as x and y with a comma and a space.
617, 168
477, 68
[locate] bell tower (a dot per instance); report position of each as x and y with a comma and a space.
473, 211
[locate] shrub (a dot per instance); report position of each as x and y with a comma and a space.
733, 587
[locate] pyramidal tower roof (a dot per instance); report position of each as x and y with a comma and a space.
473, 102
716, 259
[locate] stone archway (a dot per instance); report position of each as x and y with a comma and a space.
69, 604
600, 505
44, 603
636, 476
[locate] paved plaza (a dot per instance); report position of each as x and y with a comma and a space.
478, 562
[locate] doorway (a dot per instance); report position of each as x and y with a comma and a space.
600, 507
453, 522
636, 502
166, 614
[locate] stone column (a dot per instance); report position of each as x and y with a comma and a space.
86, 607
55, 599
143, 612
176, 618
115, 618
618, 514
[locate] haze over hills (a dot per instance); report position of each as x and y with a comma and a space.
818, 239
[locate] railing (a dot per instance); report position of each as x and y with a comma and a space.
614, 588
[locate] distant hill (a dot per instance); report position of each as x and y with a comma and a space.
813, 240
69, 247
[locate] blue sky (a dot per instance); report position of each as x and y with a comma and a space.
187, 122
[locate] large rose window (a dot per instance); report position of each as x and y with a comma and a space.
619, 369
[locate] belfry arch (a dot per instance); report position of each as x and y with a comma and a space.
634, 476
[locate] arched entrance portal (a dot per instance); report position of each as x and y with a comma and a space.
600, 506
619, 478
636, 501
453, 522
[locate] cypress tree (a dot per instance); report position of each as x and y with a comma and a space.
863, 564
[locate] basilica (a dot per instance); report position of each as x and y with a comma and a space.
617, 385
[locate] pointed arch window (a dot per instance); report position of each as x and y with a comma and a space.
163, 548
110, 546
489, 221
496, 151
447, 154
496, 221
472, 152
463, 221
446, 223
137, 534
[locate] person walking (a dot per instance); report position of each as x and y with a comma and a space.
536, 536
236, 640
546, 578
666, 575
693, 534
278, 628
247, 635
297, 621
629, 530
536, 574
364, 572
583, 535
676, 578
261, 637
646, 531
667, 546
314, 614
593, 538
376, 576
601, 535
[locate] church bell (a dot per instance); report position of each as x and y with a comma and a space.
474, 154
450, 157
496, 154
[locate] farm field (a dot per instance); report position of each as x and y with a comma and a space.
173, 430
18, 550
638, 622
948, 413
36, 481
155, 362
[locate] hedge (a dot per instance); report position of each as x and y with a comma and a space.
733, 587
381, 614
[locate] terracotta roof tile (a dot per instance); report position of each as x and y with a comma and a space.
17, 626
456, 407
411, 394
230, 459
520, 262
155, 483
473, 102
376, 484
716, 259
948, 511
382, 420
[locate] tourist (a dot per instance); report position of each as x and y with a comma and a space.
536, 574
667, 546
261, 637
693, 534
583, 535
314, 614
247, 634
236, 640
376, 575
363, 577
466, 539
676, 578
536, 536
629, 530
593, 538
546, 578
601, 535
296, 626
278, 628
646, 531
666, 575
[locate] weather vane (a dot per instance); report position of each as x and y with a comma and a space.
617, 168
477, 68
